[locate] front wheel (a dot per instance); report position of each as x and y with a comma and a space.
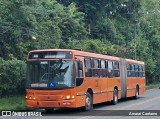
115, 97
49, 110
88, 102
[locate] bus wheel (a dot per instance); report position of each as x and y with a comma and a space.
136, 93
88, 102
115, 97
49, 110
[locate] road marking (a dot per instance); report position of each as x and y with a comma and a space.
132, 105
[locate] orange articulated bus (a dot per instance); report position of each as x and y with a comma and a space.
64, 78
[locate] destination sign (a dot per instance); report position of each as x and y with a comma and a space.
51, 55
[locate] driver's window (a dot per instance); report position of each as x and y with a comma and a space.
79, 73
79, 67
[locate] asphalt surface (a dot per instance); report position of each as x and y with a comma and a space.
149, 103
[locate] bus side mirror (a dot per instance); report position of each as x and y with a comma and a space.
80, 66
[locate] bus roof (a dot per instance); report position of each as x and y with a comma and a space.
89, 54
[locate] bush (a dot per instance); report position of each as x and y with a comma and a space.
12, 77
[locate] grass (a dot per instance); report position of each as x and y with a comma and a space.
13, 103
154, 85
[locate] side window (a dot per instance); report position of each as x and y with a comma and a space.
95, 63
102, 70
129, 68
110, 69
136, 70
140, 71
115, 65
102, 64
106, 68
79, 72
133, 71
116, 69
143, 71
106, 64
96, 69
88, 69
79, 67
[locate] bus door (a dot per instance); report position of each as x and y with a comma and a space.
80, 81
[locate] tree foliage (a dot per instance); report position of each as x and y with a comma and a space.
12, 77
123, 28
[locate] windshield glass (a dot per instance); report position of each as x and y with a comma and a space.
50, 74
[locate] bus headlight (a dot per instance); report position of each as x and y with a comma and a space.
68, 97
31, 98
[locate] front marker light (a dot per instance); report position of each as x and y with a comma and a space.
73, 97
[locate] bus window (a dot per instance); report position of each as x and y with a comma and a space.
103, 70
106, 64
88, 69
116, 69
106, 68
136, 70
95, 63
133, 70
110, 69
116, 65
129, 70
102, 64
99, 63
79, 73
140, 71
96, 70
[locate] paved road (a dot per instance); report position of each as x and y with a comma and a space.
149, 101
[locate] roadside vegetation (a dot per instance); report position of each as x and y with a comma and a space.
154, 85
13, 103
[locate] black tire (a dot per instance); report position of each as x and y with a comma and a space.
88, 102
49, 110
115, 97
136, 93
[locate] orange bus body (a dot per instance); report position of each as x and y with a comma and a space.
102, 88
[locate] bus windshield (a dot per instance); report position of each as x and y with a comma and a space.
53, 74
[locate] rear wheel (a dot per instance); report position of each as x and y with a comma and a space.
136, 93
88, 102
115, 97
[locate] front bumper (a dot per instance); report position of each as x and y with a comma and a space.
51, 104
